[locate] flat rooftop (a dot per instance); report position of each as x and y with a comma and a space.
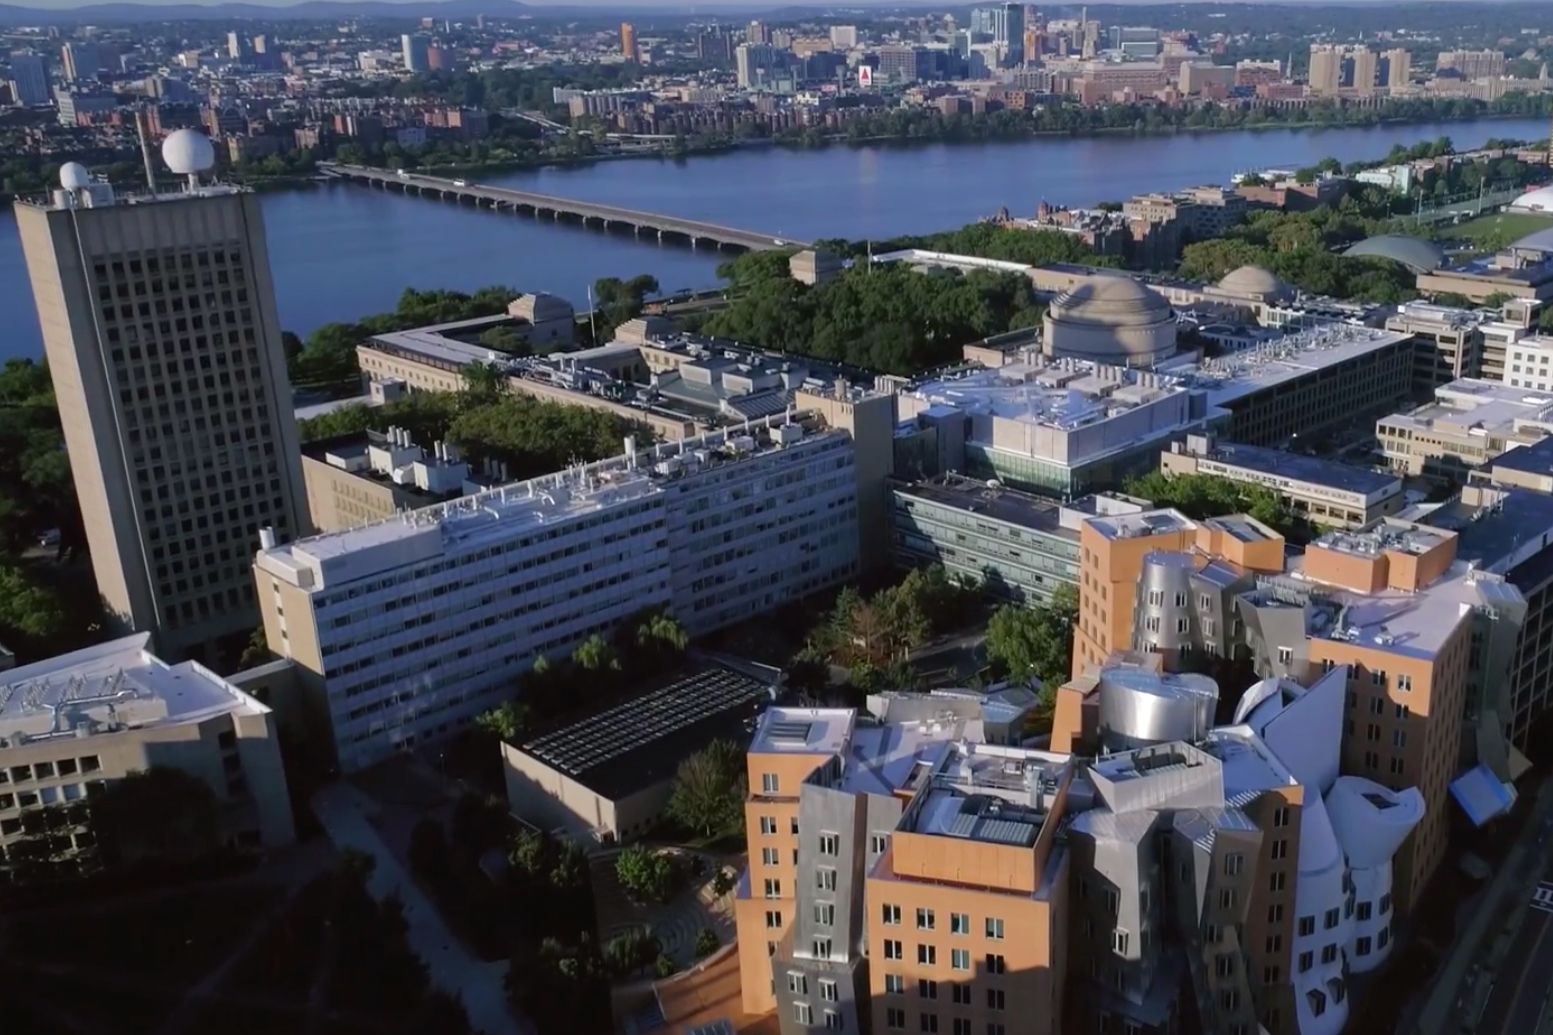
1149, 522
803, 731
549, 499
1500, 535
642, 741
1229, 378
1064, 394
1416, 625
1313, 470
1472, 405
996, 502
1242, 528
1381, 537
440, 343
110, 687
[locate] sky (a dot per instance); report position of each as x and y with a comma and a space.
687, 5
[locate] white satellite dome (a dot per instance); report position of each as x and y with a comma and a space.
1539, 200
188, 152
74, 176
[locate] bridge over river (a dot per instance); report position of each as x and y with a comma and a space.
586, 212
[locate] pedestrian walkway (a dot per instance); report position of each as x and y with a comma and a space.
346, 814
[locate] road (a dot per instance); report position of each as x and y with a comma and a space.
1518, 1002
344, 812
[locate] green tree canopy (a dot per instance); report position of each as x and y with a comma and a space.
708, 795
1036, 643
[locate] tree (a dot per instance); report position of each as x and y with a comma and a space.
632, 951
707, 943
506, 722
158, 814
31, 611
595, 654
256, 651
483, 382
1035, 643
709, 787
645, 875
662, 631
615, 301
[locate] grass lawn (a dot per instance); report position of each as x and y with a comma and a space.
1498, 229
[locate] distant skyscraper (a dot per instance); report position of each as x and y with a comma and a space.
1472, 64
755, 62
162, 339
1397, 68
1365, 66
261, 44
628, 42
1011, 32
843, 37
715, 48
237, 47
415, 52
29, 79
757, 33
1326, 69
80, 61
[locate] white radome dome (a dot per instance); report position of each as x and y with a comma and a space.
74, 176
1539, 200
188, 151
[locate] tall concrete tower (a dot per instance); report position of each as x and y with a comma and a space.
158, 317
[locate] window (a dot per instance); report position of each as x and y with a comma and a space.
1382, 938
1275, 913
1362, 946
892, 915
768, 824
1227, 898
877, 843
825, 914
925, 920
1318, 1002
1365, 908
1307, 960
773, 918
996, 963
1332, 918
825, 878
1234, 862
1274, 943
1329, 953
773, 888
1281, 816
895, 1018
1307, 926
927, 955
1224, 965
768, 856
1275, 881
959, 923
930, 1022
1385, 903
769, 784
1119, 940
1281, 848
895, 984
821, 947
927, 989
995, 999
961, 1026
830, 844
803, 1013
960, 994
1404, 682
832, 1021
1271, 974
994, 928
797, 983
960, 959
1285, 655
892, 949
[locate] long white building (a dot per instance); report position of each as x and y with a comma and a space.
404, 630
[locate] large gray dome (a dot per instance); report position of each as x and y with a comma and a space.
1111, 318
1254, 282
1416, 254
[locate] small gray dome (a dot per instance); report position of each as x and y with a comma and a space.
1255, 282
1416, 254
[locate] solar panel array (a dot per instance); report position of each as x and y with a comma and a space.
638, 722
789, 732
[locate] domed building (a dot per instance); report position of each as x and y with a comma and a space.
1254, 284
1416, 254
1539, 200
1111, 318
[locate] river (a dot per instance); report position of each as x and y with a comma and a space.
340, 252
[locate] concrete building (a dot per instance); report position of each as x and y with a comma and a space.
159, 322
1530, 364
1521, 467
608, 777
1017, 546
361, 479
1519, 272
73, 724
628, 49
1326, 69
415, 52
29, 79
80, 61
1450, 342
812, 266
1326, 492
1397, 68
1060, 427
1472, 64
405, 630
1470, 422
